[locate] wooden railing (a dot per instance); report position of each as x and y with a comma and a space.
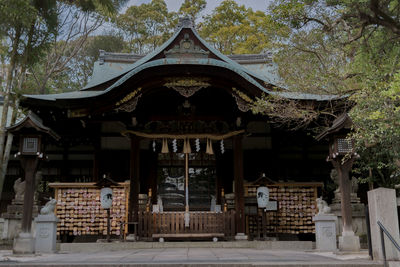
173, 223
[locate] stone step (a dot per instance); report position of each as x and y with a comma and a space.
193, 264
117, 246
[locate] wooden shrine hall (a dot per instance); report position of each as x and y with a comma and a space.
175, 130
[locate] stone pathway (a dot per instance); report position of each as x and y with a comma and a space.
189, 257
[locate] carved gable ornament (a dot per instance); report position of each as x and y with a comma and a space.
187, 86
186, 48
243, 101
129, 102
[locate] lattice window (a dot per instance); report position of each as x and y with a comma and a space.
344, 145
30, 145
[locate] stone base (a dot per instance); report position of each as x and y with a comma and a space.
325, 232
46, 233
12, 227
24, 244
349, 243
2, 232
131, 238
241, 237
358, 214
354, 199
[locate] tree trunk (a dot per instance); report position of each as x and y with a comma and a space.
7, 150
7, 91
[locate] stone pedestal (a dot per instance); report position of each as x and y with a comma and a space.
46, 233
241, 237
358, 214
2, 232
13, 218
383, 207
24, 243
348, 241
325, 232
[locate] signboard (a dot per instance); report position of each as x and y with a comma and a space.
272, 205
106, 197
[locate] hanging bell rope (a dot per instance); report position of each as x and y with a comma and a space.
214, 137
164, 148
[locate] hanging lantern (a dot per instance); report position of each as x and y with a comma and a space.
209, 149
197, 143
186, 146
262, 196
154, 146
164, 148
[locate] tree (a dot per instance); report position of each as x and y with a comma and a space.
234, 29
79, 69
192, 8
350, 49
30, 34
146, 27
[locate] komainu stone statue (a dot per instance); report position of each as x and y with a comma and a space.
354, 188
323, 207
19, 189
48, 209
160, 204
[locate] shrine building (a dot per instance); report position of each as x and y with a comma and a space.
175, 130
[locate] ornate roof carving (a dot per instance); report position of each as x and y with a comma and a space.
186, 47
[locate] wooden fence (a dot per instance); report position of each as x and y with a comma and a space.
172, 223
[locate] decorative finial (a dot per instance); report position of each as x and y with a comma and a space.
185, 22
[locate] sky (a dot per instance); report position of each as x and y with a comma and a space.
173, 5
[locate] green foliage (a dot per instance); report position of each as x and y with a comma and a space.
350, 48
147, 26
234, 29
192, 8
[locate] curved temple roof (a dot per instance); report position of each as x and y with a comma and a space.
122, 69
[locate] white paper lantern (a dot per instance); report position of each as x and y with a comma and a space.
262, 196
106, 197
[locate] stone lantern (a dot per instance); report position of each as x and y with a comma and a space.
342, 156
31, 133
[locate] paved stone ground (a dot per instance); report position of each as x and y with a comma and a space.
190, 257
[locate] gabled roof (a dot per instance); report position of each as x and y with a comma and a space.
185, 23
114, 77
33, 121
342, 122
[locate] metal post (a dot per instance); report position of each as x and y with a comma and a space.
368, 232
383, 247
108, 225
187, 218
186, 182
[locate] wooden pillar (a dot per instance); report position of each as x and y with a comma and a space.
30, 165
153, 176
219, 181
238, 176
134, 175
96, 160
345, 190
65, 165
